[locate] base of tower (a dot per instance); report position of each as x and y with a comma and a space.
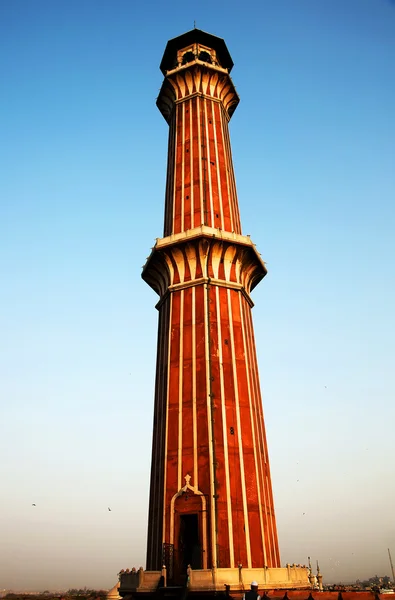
214, 582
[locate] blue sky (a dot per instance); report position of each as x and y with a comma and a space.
82, 175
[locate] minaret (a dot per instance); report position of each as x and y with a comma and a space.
211, 502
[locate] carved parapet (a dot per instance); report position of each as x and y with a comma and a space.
204, 255
134, 581
197, 78
237, 580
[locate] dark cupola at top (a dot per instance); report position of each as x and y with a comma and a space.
196, 45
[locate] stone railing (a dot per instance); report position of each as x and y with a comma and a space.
238, 579
139, 579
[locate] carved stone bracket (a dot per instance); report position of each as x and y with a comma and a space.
197, 79
204, 255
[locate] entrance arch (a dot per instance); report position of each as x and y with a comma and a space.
188, 526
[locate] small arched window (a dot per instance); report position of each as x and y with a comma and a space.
205, 56
188, 57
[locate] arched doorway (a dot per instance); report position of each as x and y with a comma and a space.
188, 529
188, 541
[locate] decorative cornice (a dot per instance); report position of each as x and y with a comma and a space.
204, 255
197, 78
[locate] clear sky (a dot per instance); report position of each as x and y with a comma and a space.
82, 176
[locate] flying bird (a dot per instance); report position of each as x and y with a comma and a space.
33, 505
109, 508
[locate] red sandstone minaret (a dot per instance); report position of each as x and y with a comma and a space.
211, 501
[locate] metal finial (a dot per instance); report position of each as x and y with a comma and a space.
194, 24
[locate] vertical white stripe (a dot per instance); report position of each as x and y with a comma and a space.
167, 192
170, 180
253, 424
225, 432
173, 183
190, 102
232, 182
175, 167
194, 416
234, 204
217, 169
261, 432
271, 540
180, 381
182, 193
208, 165
239, 433
227, 167
199, 132
167, 419
210, 430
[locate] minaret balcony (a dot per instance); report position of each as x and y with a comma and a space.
197, 78
204, 255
